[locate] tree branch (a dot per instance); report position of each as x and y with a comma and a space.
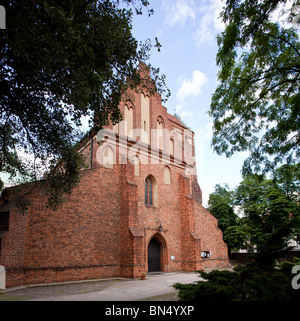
284, 40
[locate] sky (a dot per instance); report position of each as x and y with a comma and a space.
187, 31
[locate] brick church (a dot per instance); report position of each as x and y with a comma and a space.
137, 209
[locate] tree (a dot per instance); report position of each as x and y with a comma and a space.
272, 217
220, 206
61, 61
256, 106
247, 283
287, 178
236, 237
269, 208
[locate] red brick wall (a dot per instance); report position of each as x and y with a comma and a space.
104, 227
211, 238
12, 249
78, 241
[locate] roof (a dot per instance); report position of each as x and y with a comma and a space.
176, 119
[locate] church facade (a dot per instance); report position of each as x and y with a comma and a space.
137, 209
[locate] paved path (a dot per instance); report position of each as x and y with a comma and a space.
133, 290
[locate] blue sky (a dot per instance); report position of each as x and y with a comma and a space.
187, 31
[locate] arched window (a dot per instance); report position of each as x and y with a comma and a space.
167, 175
108, 158
160, 122
150, 191
171, 147
128, 116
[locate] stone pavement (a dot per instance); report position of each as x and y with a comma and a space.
132, 290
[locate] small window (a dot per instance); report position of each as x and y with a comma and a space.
151, 191
128, 115
171, 147
108, 158
4, 225
148, 192
167, 175
4, 222
205, 254
160, 122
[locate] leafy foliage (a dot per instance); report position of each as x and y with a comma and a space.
219, 289
236, 237
220, 204
248, 283
256, 105
271, 214
61, 61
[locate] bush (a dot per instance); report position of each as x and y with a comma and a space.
204, 292
248, 283
218, 287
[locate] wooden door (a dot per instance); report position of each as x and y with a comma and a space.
153, 256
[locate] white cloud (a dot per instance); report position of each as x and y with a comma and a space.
192, 87
178, 108
185, 114
210, 25
179, 11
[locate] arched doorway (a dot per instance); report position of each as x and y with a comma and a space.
154, 256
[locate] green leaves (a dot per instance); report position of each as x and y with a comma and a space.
64, 177
61, 61
256, 105
235, 237
247, 283
269, 212
220, 204
217, 287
